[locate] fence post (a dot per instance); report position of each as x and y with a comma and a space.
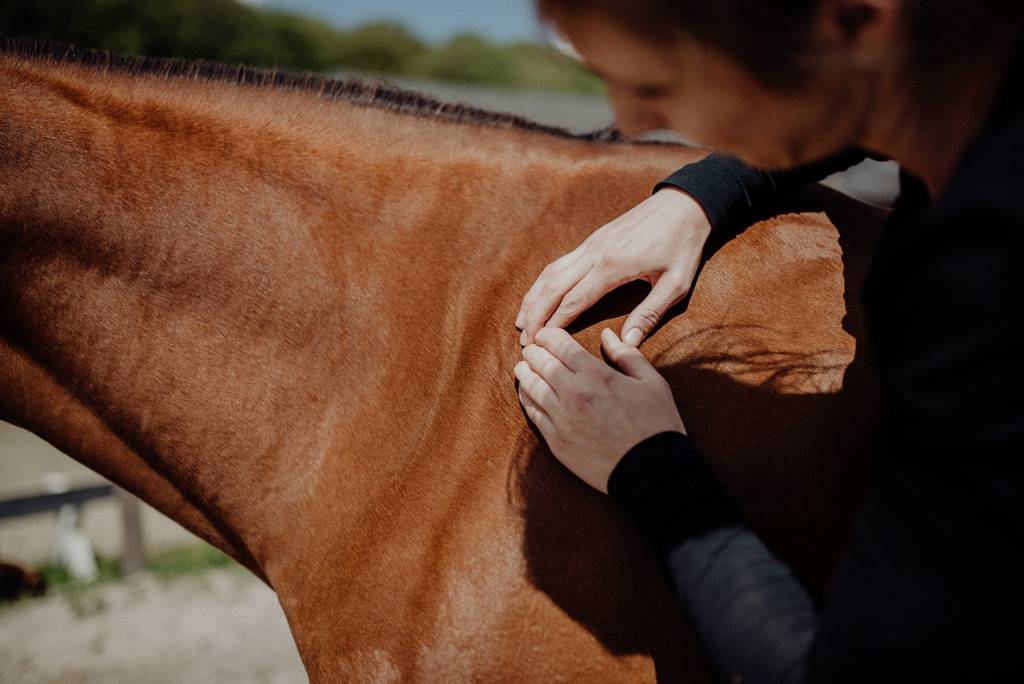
133, 552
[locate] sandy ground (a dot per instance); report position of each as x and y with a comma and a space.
222, 625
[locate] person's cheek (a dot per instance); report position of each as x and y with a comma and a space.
726, 127
633, 116
690, 121
638, 123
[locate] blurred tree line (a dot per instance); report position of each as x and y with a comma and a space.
228, 31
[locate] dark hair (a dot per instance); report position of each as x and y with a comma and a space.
772, 39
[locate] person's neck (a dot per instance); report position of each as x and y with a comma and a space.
929, 138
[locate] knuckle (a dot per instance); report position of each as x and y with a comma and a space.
530, 309
579, 399
679, 294
646, 318
605, 261
558, 334
546, 289
550, 335
572, 303
623, 355
564, 258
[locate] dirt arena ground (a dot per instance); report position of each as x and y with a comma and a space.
216, 626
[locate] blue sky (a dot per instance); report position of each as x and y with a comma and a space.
433, 20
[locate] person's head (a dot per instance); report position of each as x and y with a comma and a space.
775, 83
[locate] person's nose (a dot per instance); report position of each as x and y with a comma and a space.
633, 119
635, 124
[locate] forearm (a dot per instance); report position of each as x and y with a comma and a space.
755, 621
734, 195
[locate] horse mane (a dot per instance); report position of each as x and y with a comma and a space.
379, 94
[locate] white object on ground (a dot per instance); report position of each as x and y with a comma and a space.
72, 549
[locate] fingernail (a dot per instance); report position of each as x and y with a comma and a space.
519, 320
633, 337
522, 339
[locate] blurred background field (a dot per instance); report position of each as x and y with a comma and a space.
264, 35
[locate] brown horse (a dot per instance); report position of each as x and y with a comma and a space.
280, 309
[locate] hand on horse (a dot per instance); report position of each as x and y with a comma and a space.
589, 413
660, 240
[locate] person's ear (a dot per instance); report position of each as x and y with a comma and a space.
865, 30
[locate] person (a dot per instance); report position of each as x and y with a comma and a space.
930, 586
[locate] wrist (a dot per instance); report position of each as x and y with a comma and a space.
688, 212
669, 492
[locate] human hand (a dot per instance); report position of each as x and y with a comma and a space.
590, 414
660, 240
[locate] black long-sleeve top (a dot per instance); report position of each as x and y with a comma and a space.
932, 585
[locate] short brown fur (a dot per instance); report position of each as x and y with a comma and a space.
286, 321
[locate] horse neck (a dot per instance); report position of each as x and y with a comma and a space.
209, 283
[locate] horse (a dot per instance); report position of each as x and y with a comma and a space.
279, 308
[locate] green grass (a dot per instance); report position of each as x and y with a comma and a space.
188, 559
58, 579
165, 565
229, 31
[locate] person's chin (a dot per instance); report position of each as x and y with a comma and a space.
781, 160
768, 157
765, 159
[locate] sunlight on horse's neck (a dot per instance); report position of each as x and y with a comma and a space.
202, 264
166, 263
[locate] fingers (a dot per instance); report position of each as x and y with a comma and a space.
667, 291
570, 352
535, 387
546, 293
544, 364
628, 358
581, 297
535, 413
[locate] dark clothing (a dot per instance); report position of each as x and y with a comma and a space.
932, 586
733, 194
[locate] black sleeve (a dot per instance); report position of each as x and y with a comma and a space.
734, 195
932, 587
754, 619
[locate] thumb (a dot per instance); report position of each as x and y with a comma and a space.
627, 358
666, 291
